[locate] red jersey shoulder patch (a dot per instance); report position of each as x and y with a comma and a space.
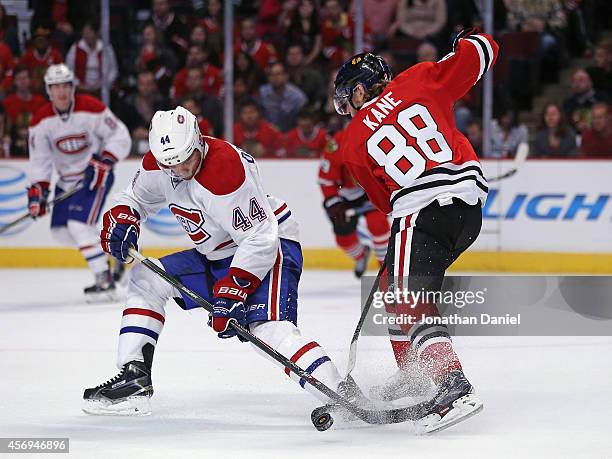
85, 103
222, 171
149, 163
43, 112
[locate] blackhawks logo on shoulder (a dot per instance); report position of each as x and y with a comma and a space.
331, 146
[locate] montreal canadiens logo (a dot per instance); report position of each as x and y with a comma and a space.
192, 221
72, 144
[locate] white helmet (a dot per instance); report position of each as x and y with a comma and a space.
57, 74
173, 135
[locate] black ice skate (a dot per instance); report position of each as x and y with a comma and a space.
127, 394
454, 402
361, 265
103, 290
406, 382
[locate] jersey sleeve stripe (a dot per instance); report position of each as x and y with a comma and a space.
479, 50
486, 47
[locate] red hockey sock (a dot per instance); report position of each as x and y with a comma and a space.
351, 246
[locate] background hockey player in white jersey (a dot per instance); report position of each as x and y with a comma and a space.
247, 260
82, 139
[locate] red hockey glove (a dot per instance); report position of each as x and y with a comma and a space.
37, 199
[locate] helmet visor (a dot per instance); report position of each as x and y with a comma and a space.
342, 98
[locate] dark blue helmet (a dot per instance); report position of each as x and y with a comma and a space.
366, 69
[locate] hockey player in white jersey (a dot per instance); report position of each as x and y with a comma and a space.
79, 137
247, 260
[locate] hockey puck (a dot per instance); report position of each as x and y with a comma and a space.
321, 419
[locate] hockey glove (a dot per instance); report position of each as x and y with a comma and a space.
99, 171
336, 208
464, 33
230, 293
120, 231
37, 199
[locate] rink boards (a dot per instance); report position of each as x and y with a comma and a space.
552, 216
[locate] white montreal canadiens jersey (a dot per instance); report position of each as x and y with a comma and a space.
224, 208
67, 142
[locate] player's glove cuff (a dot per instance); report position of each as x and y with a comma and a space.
237, 285
332, 201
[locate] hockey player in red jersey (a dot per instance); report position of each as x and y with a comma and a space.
403, 147
345, 202
79, 137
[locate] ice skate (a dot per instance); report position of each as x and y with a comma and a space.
127, 394
361, 265
103, 290
454, 402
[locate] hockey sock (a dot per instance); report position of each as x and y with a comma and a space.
351, 246
307, 354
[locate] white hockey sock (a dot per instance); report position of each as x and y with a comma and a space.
307, 354
144, 314
88, 242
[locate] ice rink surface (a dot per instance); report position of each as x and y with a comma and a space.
544, 396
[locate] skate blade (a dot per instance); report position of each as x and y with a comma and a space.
131, 406
102, 297
463, 408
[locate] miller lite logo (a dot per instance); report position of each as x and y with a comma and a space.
192, 221
72, 144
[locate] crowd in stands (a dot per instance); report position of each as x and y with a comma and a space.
286, 53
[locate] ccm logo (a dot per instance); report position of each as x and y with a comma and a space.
72, 144
128, 217
232, 291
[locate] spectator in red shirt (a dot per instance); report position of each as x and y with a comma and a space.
7, 62
212, 78
19, 107
337, 31
597, 141
39, 56
22, 102
306, 140
262, 52
256, 136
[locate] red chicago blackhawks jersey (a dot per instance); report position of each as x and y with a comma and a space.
403, 146
334, 177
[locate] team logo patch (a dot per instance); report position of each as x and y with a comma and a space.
192, 221
180, 119
72, 144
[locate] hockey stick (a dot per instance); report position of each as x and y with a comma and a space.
364, 313
24, 217
521, 155
410, 413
